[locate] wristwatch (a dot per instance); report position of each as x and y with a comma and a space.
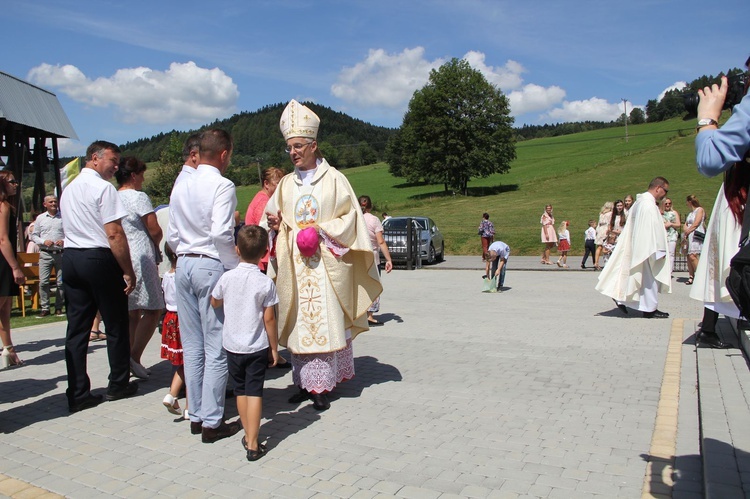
706, 122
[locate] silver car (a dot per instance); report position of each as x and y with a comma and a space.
431, 242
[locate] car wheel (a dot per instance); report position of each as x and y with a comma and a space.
431, 254
441, 256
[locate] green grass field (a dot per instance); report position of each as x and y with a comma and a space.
575, 173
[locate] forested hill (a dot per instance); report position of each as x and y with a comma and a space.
345, 141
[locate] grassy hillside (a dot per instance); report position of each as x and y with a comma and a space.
576, 173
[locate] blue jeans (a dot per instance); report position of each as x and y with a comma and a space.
200, 330
501, 277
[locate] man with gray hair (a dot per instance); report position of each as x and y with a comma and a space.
48, 234
98, 276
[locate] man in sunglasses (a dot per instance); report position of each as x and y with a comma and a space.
638, 268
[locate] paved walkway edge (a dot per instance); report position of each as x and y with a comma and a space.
658, 481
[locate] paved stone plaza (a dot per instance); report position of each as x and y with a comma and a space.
544, 390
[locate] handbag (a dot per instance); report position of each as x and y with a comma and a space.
738, 281
698, 237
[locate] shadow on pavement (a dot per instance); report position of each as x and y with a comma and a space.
388, 317
369, 371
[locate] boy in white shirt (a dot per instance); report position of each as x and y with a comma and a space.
250, 334
589, 243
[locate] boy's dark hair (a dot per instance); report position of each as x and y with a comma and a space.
252, 241
171, 256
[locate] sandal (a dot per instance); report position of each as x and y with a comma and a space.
95, 336
254, 455
689, 281
374, 323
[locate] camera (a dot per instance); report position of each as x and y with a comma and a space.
737, 87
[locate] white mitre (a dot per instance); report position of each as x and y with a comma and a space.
299, 121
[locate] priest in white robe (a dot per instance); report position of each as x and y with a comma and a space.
638, 269
324, 267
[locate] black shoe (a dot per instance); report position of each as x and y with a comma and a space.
622, 307
196, 428
656, 314
484, 276
299, 397
122, 393
224, 430
44, 313
320, 401
285, 365
710, 340
87, 403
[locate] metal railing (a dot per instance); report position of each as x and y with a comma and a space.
403, 245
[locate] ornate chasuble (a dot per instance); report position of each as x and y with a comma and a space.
323, 296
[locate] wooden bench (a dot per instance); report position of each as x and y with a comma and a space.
29, 263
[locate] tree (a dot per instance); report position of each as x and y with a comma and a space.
637, 116
170, 162
457, 127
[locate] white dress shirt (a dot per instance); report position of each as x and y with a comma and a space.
201, 216
186, 172
86, 205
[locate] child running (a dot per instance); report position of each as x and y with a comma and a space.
250, 335
171, 344
563, 244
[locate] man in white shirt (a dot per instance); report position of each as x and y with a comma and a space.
48, 234
98, 275
190, 156
201, 233
496, 260
638, 268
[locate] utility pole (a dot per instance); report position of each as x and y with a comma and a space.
625, 107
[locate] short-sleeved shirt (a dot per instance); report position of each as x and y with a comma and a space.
502, 249
246, 292
373, 227
86, 205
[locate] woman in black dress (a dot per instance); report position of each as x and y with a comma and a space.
11, 275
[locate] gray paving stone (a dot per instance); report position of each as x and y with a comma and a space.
537, 411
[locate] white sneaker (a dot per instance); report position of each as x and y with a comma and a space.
171, 404
138, 370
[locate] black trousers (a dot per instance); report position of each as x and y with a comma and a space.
710, 318
590, 247
93, 281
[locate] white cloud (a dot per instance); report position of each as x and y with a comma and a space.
594, 109
507, 77
678, 85
533, 98
390, 80
383, 79
184, 93
68, 147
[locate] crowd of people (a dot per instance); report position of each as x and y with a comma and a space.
601, 235
301, 272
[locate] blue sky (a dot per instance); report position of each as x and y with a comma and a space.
128, 70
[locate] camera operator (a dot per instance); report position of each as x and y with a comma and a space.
717, 149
